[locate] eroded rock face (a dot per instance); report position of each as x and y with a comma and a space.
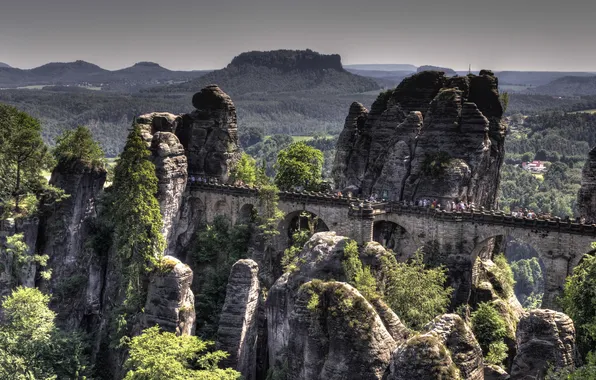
447, 350
238, 322
63, 237
336, 334
209, 134
432, 136
493, 372
170, 301
10, 276
545, 338
587, 193
158, 130
323, 329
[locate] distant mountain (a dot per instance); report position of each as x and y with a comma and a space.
4, 65
535, 78
280, 71
141, 75
446, 70
382, 67
569, 86
385, 79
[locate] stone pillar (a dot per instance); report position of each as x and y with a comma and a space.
555, 273
238, 327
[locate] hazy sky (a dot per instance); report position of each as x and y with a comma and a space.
198, 34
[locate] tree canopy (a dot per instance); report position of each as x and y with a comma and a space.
78, 144
299, 165
156, 355
23, 156
31, 345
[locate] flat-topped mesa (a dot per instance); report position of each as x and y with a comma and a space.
288, 60
209, 134
431, 137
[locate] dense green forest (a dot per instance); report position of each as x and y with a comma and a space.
562, 140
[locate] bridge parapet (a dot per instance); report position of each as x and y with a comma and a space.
496, 218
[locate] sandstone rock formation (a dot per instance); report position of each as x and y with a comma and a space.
10, 274
586, 199
432, 136
158, 130
75, 284
170, 302
545, 338
447, 350
209, 134
319, 328
238, 322
493, 372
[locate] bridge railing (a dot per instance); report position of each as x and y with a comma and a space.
496, 218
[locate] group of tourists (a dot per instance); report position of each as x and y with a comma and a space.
201, 179
447, 205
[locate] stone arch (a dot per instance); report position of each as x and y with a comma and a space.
395, 237
300, 219
246, 213
221, 208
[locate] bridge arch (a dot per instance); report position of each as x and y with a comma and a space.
300, 220
394, 237
246, 214
558, 252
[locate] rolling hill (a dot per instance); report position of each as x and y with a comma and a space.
569, 86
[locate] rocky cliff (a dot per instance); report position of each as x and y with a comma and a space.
209, 134
586, 200
64, 232
432, 136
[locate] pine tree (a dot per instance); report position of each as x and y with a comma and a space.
135, 212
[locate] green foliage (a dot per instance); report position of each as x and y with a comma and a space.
31, 345
217, 247
79, 145
358, 276
529, 282
586, 372
299, 165
497, 353
579, 302
289, 259
504, 99
488, 327
135, 210
136, 219
156, 355
246, 171
416, 293
435, 163
504, 276
23, 157
16, 257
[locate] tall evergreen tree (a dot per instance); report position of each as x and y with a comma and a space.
23, 156
135, 212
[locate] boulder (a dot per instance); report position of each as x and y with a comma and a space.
320, 328
209, 134
170, 301
545, 339
238, 322
447, 349
493, 372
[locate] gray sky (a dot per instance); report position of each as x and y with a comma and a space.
198, 34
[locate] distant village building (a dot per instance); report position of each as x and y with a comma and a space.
534, 166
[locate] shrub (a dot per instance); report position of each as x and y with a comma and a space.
488, 327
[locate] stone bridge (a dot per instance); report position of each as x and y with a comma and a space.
454, 239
